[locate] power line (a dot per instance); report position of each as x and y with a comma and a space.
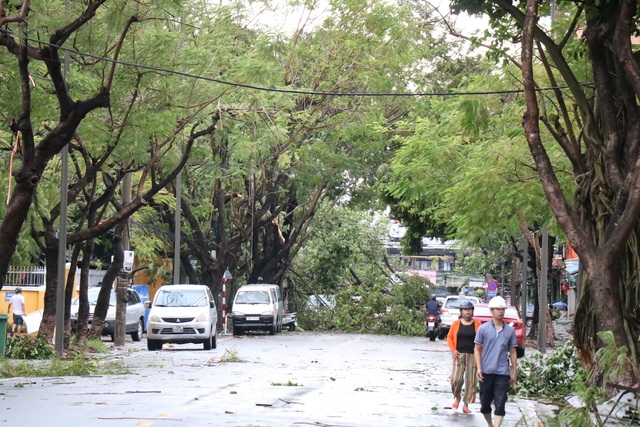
292, 91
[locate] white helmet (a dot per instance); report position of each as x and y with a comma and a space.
497, 302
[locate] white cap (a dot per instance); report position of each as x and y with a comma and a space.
497, 302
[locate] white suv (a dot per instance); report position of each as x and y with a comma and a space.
182, 314
451, 310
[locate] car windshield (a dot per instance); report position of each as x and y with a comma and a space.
181, 298
252, 297
484, 311
439, 292
92, 294
454, 302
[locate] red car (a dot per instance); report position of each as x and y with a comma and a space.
511, 317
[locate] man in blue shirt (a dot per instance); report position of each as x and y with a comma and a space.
433, 307
495, 354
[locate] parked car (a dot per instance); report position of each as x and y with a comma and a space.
451, 310
511, 317
441, 293
134, 313
182, 314
530, 308
257, 307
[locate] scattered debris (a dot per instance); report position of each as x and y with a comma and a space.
291, 402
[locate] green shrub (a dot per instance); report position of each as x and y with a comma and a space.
372, 309
550, 376
611, 362
28, 347
315, 319
80, 364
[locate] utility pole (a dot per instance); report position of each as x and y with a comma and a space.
514, 280
120, 328
542, 296
62, 234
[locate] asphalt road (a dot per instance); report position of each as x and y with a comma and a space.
291, 379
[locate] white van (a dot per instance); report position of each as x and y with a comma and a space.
257, 307
182, 314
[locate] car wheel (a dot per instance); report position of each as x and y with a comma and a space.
113, 337
137, 335
207, 343
214, 343
237, 331
274, 329
154, 345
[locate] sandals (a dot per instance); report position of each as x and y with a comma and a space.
455, 405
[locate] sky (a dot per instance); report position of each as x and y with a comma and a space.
287, 18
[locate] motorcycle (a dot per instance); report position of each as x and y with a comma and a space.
289, 321
432, 327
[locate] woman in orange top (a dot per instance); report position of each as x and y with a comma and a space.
461, 342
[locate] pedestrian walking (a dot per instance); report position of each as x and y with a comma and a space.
495, 355
17, 302
461, 340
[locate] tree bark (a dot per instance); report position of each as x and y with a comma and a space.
102, 304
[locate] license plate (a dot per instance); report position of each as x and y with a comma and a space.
177, 328
431, 324
253, 318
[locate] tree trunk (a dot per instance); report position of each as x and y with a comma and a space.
102, 305
82, 329
48, 323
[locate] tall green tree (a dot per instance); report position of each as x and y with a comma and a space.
280, 154
594, 122
149, 111
464, 167
346, 248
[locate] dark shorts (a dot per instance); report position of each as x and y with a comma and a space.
18, 319
493, 388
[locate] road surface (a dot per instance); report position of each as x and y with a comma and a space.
291, 379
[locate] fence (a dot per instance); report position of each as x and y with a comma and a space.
36, 276
26, 276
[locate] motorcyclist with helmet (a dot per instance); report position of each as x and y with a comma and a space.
433, 309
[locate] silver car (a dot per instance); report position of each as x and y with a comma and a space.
182, 314
134, 313
451, 310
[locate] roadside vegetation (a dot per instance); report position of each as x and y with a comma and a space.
29, 356
343, 280
560, 378
378, 309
